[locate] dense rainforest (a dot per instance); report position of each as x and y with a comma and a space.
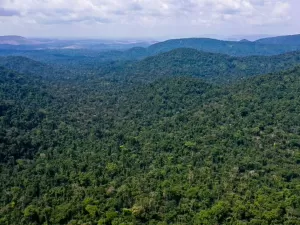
213, 67
162, 140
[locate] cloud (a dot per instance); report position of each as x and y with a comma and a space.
147, 13
136, 10
135, 6
8, 12
281, 9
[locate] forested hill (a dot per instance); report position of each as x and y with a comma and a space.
213, 67
209, 66
281, 40
218, 46
233, 48
27, 66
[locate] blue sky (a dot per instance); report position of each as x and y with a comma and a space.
148, 18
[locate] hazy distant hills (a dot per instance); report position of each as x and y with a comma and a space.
233, 48
22, 43
128, 50
243, 48
17, 40
95, 54
281, 40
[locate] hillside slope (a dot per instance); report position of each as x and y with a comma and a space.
27, 66
209, 66
281, 40
225, 47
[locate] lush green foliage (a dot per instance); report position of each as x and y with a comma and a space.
212, 67
209, 66
22, 106
177, 150
27, 66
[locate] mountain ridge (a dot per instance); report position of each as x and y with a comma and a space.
234, 48
281, 40
215, 67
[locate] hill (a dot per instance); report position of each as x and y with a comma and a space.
213, 67
16, 40
293, 40
245, 40
233, 48
217, 46
23, 65
26, 66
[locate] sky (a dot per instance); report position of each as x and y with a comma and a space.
148, 18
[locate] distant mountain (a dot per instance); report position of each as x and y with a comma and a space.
210, 66
16, 40
218, 46
233, 48
253, 37
281, 40
22, 43
245, 40
114, 50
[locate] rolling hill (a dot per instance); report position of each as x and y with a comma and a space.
26, 66
16, 40
218, 46
209, 66
54, 51
293, 40
233, 48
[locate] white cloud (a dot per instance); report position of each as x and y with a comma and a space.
126, 10
146, 12
281, 9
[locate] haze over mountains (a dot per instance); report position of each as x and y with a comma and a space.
258, 47
22, 43
95, 52
17, 40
